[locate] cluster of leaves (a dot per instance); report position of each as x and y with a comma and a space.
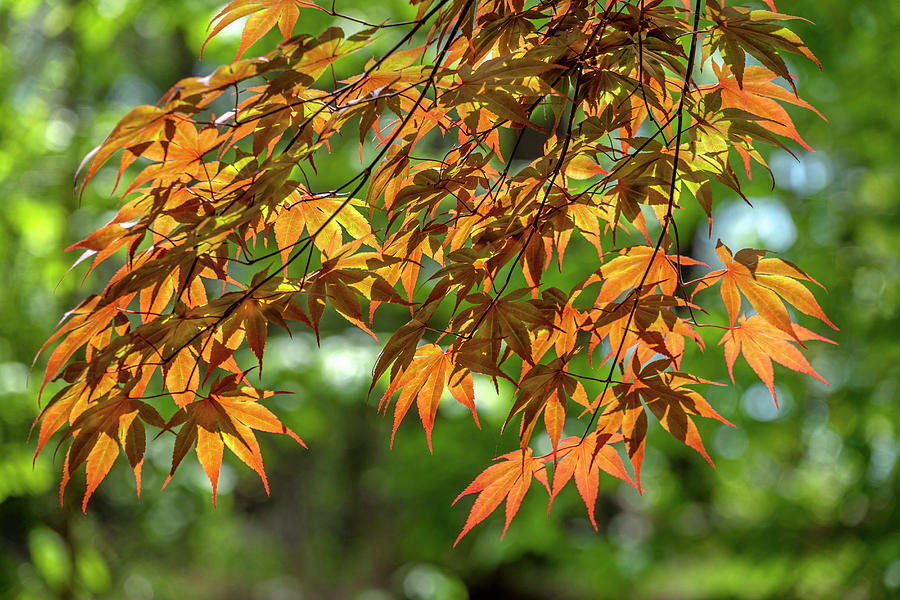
224, 233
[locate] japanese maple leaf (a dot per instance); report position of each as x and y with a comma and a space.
503, 319
180, 153
509, 480
740, 31
621, 274
671, 402
761, 343
423, 382
567, 323
544, 389
584, 458
765, 282
85, 321
264, 15
227, 417
182, 377
341, 288
134, 132
401, 348
322, 214
759, 95
97, 428
652, 323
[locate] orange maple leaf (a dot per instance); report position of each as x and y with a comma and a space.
227, 417
761, 343
424, 381
584, 458
764, 282
757, 94
508, 480
97, 427
671, 402
264, 15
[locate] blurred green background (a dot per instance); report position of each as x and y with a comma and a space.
802, 503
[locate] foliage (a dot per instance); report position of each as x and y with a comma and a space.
225, 231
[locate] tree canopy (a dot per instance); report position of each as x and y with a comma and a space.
639, 109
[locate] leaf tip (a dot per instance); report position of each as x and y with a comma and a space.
461, 535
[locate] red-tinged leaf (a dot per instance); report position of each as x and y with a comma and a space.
112, 235
345, 302
246, 448
506, 319
341, 289
209, 448
73, 319
150, 415
288, 229
580, 397
56, 413
235, 10
759, 95
64, 479
554, 419
566, 326
140, 125
582, 167
154, 299
514, 498
228, 416
99, 462
536, 259
767, 283
423, 381
264, 15
184, 440
79, 329
740, 31
399, 350
96, 427
761, 343
316, 55
508, 480
221, 351
243, 406
462, 388
650, 322
667, 396
584, 458
318, 213
627, 414
672, 412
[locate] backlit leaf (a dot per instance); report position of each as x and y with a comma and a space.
438, 190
